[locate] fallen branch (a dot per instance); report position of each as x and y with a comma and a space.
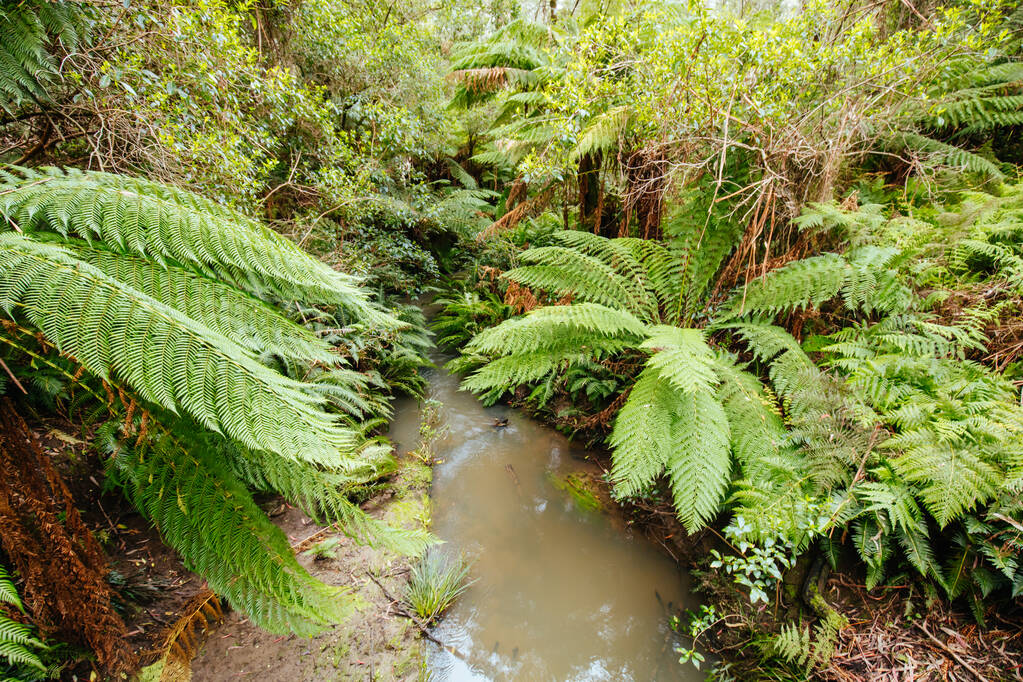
423, 628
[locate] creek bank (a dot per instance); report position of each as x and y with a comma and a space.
565, 589
376, 642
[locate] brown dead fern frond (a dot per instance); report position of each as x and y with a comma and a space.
526, 209
187, 635
483, 80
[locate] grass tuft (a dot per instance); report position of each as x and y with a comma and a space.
436, 582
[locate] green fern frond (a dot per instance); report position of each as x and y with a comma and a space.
700, 238
699, 462
168, 358
19, 645
952, 479
28, 29
947, 155
322, 495
792, 643
642, 435
567, 272
157, 221
238, 316
756, 427
204, 512
864, 278
773, 345
527, 367
800, 284
550, 327
682, 357
603, 133
9, 593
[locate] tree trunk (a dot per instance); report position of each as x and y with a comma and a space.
589, 192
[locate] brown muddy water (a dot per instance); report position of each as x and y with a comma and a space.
562, 592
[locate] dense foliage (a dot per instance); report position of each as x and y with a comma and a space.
841, 377
771, 255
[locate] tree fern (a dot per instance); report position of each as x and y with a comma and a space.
628, 301
170, 359
166, 300
509, 58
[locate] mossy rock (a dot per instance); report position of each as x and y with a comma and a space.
580, 487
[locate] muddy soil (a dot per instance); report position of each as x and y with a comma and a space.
374, 644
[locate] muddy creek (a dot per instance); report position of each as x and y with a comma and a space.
562, 591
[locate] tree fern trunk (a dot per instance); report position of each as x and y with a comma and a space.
60, 561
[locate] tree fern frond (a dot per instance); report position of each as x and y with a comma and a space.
642, 435
205, 513
19, 645
802, 283
947, 155
243, 318
8, 593
168, 358
700, 236
153, 220
27, 30
567, 271
523, 368
699, 461
756, 427
682, 357
603, 133
547, 327
322, 495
